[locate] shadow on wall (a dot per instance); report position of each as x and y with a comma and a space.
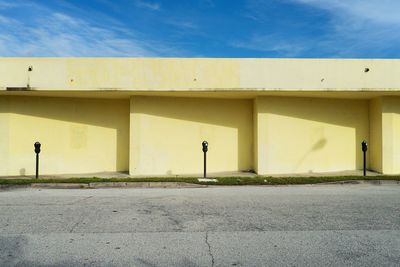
83, 111
337, 112
317, 146
232, 113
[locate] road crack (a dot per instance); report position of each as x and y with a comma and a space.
209, 251
77, 223
81, 200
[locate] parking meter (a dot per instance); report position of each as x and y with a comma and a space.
37, 146
205, 149
364, 147
205, 146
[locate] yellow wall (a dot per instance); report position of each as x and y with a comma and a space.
280, 131
200, 74
4, 135
391, 135
166, 135
77, 135
255, 134
375, 134
163, 135
300, 135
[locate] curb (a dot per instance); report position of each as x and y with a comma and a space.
14, 186
98, 185
115, 185
370, 182
144, 185
60, 186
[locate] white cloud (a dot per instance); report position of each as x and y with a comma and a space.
7, 21
360, 25
148, 5
356, 28
375, 11
6, 5
273, 43
61, 34
185, 24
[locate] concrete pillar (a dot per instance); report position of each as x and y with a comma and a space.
375, 133
255, 134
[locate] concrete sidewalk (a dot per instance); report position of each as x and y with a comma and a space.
210, 175
175, 185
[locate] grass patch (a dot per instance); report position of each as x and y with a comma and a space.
263, 180
256, 180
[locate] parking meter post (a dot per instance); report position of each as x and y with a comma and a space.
205, 149
37, 146
37, 166
205, 165
365, 167
364, 146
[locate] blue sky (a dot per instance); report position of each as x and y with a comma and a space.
201, 28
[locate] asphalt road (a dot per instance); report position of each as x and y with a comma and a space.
332, 225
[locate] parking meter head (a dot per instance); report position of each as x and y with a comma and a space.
364, 146
37, 147
205, 146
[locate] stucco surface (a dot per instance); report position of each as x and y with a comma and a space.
300, 135
166, 135
150, 115
199, 74
390, 135
375, 133
77, 135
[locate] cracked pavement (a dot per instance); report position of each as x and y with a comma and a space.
337, 225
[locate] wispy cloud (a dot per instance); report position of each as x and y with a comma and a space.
6, 5
353, 29
61, 34
374, 11
208, 3
260, 28
273, 43
7, 21
186, 24
360, 25
149, 5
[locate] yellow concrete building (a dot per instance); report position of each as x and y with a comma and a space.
149, 116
